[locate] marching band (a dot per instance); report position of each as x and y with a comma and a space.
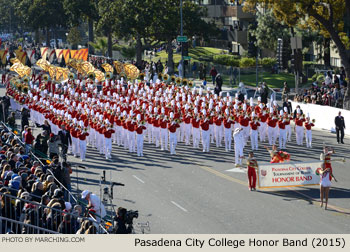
126, 113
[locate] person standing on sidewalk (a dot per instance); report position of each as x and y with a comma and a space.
340, 126
213, 74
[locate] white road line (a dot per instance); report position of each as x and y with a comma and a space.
138, 179
183, 209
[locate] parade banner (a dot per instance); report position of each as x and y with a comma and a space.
288, 174
83, 54
66, 55
22, 56
59, 54
30, 54
3, 54
73, 54
51, 55
43, 51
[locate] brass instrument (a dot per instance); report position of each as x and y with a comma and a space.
173, 78
190, 84
26, 79
313, 121
166, 77
160, 76
108, 75
71, 76
46, 77
184, 82
178, 81
91, 75
25, 89
142, 76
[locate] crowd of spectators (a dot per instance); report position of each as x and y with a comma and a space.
32, 192
329, 93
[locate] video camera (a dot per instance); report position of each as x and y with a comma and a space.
130, 216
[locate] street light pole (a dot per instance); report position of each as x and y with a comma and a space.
181, 33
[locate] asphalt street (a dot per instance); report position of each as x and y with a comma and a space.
193, 192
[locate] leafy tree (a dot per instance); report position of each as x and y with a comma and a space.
135, 20
330, 17
74, 37
268, 30
101, 45
82, 10
107, 10
41, 14
166, 25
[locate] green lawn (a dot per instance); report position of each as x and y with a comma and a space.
196, 54
200, 54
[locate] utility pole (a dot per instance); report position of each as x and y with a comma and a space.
181, 33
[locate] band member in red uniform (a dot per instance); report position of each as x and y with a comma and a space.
82, 134
299, 131
254, 125
172, 127
204, 123
140, 128
308, 132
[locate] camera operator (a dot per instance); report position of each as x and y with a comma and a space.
120, 222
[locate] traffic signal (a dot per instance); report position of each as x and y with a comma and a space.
184, 48
292, 63
279, 54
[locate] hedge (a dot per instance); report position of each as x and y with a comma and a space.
226, 60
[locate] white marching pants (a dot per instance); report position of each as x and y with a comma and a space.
218, 135
254, 139
196, 135
108, 147
211, 132
188, 127
156, 135
149, 133
272, 135
139, 142
288, 133
228, 138
246, 132
205, 140
238, 153
172, 142
308, 138
75, 146
164, 139
82, 146
131, 140
299, 131
262, 131
182, 131
282, 138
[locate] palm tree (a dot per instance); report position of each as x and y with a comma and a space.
101, 45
